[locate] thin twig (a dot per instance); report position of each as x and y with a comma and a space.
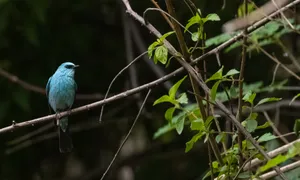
111, 83
128, 134
30, 87
163, 14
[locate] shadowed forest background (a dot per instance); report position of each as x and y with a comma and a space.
36, 36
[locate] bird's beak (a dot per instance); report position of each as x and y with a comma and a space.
76, 66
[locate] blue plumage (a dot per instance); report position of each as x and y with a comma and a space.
60, 91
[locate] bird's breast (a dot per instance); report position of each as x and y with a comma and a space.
61, 93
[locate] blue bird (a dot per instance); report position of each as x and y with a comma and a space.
60, 91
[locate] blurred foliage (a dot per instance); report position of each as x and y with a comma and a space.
38, 35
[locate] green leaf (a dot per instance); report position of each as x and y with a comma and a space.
245, 175
196, 36
216, 76
180, 124
218, 39
232, 72
266, 137
208, 121
189, 145
182, 98
215, 164
249, 97
169, 113
252, 116
194, 20
164, 98
197, 124
163, 37
251, 125
294, 98
297, 126
265, 100
212, 17
214, 90
273, 162
241, 10
163, 130
220, 137
161, 54
174, 88
265, 125
151, 49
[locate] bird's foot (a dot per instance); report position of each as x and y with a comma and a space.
57, 116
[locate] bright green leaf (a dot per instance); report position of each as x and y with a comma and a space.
194, 20
163, 37
161, 54
249, 97
169, 113
182, 98
197, 124
180, 124
151, 49
196, 36
265, 125
174, 88
215, 164
232, 72
189, 145
265, 100
208, 121
273, 162
212, 17
164, 98
266, 137
217, 75
251, 125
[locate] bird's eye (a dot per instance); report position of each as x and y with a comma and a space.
69, 66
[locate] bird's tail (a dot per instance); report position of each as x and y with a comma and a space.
65, 141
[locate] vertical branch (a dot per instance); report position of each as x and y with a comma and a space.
241, 79
195, 86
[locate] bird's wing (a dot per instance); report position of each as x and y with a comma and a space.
48, 86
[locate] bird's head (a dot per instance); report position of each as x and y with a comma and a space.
67, 68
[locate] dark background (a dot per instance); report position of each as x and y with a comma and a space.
36, 36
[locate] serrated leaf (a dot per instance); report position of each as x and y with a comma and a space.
266, 137
174, 88
249, 97
214, 90
161, 54
180, 124
212, 17
232, 72
216, 76
265, 100
294, 98
151, 48
182, 98
169, 113
251, 125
